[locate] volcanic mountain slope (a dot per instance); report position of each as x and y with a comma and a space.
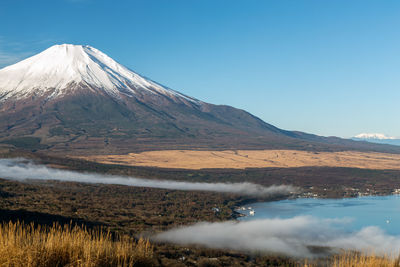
76, 99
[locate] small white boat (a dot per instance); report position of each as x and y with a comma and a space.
252, 212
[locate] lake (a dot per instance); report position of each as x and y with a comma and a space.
382, 211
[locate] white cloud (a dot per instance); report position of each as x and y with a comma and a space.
292, 237
7, 58
12, 52
20, 169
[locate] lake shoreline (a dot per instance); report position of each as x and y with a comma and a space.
353, 214
236, 214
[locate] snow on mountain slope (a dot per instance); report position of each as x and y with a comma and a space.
378, 136
60, 68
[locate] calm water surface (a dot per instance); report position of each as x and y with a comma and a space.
382, 211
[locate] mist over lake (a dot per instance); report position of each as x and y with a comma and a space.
380, 211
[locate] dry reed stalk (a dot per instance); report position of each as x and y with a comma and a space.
29, 245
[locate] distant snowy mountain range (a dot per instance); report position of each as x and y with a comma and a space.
377, 138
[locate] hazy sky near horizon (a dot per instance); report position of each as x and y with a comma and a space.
324, 67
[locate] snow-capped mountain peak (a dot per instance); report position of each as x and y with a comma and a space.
60, 68
378, 136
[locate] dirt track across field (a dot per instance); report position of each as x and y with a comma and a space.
241, 159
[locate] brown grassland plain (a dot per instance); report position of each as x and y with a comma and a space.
241, 159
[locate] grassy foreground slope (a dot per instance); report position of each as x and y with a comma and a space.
362, 260
30, 245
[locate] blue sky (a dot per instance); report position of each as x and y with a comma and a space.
325, 67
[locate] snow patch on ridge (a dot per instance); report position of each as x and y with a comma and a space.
66, 66
378, 136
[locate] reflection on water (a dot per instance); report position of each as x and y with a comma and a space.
382, 211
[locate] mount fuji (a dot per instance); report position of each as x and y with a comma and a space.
75, 99
64, 69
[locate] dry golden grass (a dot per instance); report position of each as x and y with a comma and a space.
240, 159
27, 245
351, 259
357, 260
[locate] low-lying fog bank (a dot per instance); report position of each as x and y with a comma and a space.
294, 237
22, 169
